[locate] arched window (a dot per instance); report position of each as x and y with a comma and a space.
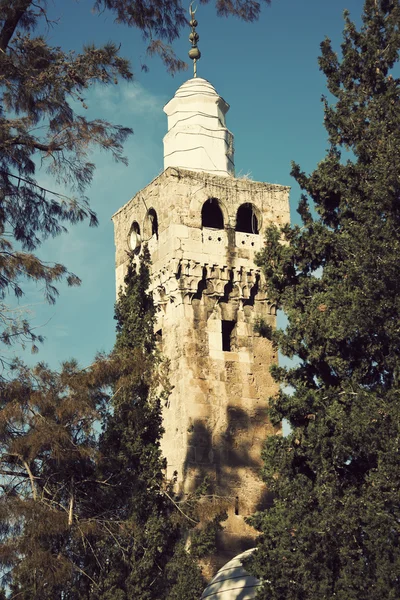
151, 224
134, 239
246, 219
211, 214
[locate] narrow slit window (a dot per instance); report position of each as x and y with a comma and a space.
237, 505
159, 338
154, 222
227, 331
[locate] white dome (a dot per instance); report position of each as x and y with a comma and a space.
232, 582
197, 85
197, 137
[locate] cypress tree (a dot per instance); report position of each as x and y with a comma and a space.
144, 557
333, 530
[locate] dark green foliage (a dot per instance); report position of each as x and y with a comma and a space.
135, 311
204, 540
333, 530
181, 578
143, 556
150, 545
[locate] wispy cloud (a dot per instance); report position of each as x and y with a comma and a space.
125, 98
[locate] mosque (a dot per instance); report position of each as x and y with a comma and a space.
203, 227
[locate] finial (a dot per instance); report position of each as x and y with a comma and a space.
194, 52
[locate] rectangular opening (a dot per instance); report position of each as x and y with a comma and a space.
227, 329
159, 338
237, 505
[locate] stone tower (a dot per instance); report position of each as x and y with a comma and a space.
203, 227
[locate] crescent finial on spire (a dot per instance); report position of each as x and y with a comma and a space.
194, 52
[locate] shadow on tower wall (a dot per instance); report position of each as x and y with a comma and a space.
230, 460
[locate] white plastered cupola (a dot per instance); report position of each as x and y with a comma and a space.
197, 138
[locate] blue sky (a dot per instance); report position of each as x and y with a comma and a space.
267, 71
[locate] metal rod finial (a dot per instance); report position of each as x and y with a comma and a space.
194, 52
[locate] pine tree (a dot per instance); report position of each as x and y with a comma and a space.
38, 125
333, 530
48, 457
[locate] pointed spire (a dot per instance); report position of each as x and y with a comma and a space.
194, 52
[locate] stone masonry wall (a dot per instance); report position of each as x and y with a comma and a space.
204, 280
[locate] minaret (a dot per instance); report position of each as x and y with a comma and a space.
197, 137
203, 227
